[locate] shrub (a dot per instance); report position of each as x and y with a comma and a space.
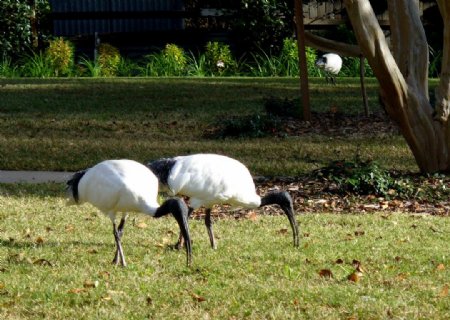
219, 58
350, 67
60, 55
108, 59
171, 61
15, 28
128, 68
283, 107
251, 126
175, 59
364, 177
289, 58
262, 24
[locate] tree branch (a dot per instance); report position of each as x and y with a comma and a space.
341, 48
374, 47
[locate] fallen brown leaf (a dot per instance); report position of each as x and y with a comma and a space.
252, 216
355, 276
349, 237
104, 274
401, 276
90, 284
77, 290
384, 205
141, 225
339, 261
326, 273
444, 292
197, 297
282, 231
27, 233
440, 267
42, 262
357, 265
39, 240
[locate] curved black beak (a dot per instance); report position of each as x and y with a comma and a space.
284, 200
179, 211
290, 214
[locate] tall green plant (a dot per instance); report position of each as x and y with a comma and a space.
7, 68
196, 66
284, 64
37, 65
89, 68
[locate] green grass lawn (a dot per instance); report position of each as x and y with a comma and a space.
55, 263
55, 260
70, 124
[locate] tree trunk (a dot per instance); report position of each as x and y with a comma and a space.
403, 77
443, 90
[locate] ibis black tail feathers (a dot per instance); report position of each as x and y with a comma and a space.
72, 185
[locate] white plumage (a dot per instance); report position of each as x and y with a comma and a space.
209, 179
123, 186
331, 63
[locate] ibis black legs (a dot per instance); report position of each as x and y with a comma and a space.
281, 198
208, 224
118, 232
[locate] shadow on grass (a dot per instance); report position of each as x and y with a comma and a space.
18, 244
41, 190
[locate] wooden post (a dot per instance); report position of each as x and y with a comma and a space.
304, 87
33, 24
363, 86
96, 44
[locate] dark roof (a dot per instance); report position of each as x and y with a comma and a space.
85, 17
